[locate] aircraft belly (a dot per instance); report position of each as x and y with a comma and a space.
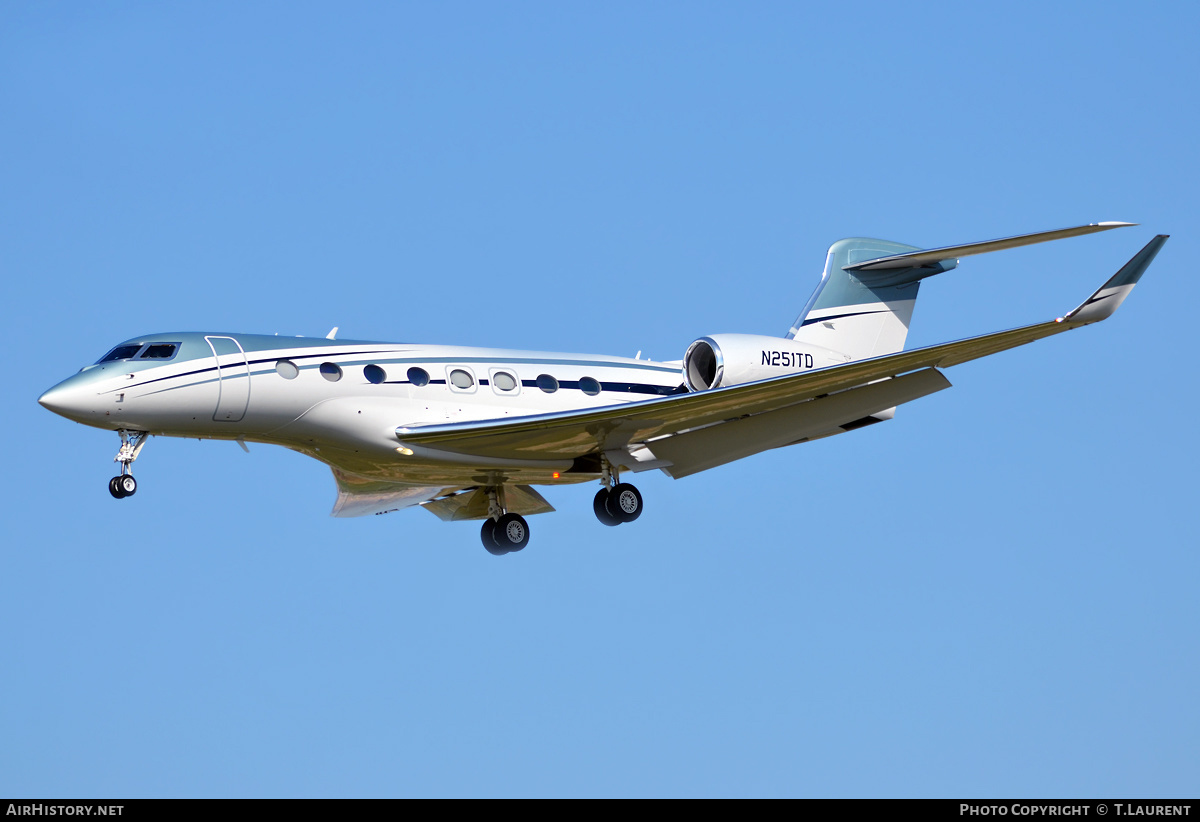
337, 434
472, 504
359, 496
424, 471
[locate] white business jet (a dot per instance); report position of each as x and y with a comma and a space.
467, 432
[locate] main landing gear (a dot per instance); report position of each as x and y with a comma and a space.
616, 502
502, 533
124, 485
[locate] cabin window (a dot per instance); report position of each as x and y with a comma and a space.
418, 376
159, 351
331, 371
121, 352
589, 386
547, 383
504, 381
287, 369
374, 374
461, 379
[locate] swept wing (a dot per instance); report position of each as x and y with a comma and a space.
571, 435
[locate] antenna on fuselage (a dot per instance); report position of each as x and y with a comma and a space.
332, 335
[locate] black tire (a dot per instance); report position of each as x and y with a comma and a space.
511, 532
115, 489
624, 502
488, 538
598, 505
128, 485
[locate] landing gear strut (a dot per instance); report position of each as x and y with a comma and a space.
616, 501
124, 485
502, 533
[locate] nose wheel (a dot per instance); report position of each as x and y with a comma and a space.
124, 485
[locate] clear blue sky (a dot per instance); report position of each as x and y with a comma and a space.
994, 594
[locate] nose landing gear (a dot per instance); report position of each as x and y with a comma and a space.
124, 485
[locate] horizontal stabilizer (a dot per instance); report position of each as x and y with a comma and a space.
915, 259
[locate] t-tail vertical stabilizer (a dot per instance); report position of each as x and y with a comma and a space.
852, 315
864, 302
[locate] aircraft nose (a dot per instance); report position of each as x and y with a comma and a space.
67, 399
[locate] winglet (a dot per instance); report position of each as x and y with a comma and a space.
1108, 298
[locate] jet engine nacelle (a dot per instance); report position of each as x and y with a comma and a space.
732, 359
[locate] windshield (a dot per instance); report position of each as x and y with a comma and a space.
158, 351
121, 352
149, 351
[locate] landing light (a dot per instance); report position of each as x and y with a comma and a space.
405, 451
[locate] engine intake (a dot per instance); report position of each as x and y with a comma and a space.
723, 360
703, 365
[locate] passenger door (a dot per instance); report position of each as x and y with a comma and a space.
233, 371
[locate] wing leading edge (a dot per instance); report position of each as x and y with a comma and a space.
574, 434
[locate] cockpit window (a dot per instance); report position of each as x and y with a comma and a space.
121, 352
159, 351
